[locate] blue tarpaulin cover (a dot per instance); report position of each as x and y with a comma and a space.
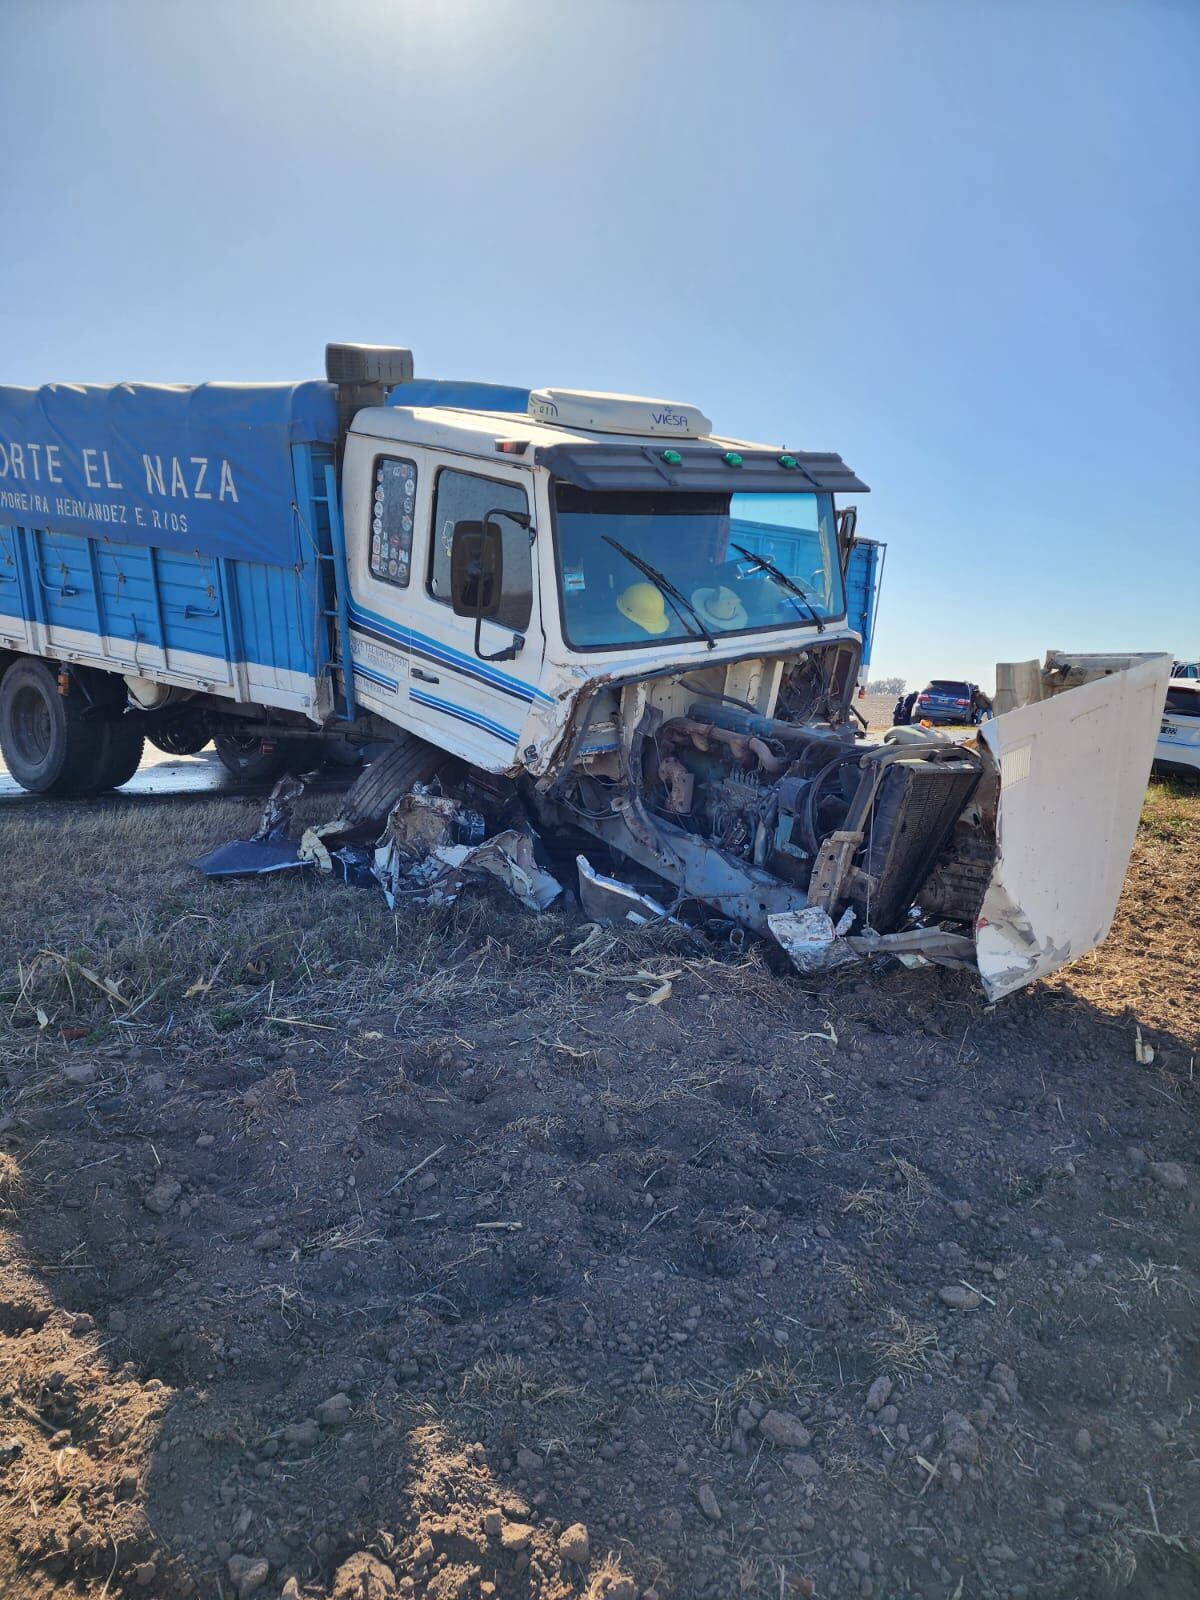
206, 468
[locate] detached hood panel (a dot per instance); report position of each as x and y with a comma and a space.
1073, 773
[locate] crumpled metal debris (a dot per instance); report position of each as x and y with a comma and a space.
811, 938
815, 944
422, 821
917, 947
432, 847
608, 900
276, 816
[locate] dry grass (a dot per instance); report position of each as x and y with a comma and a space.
133, 943
776, 1378
507, 1379
904, 1350
894, 1201
1144, 973
12, 1182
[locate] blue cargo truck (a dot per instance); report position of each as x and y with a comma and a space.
590, 606
180, 552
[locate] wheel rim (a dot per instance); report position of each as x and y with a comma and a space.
242, 745
29, 725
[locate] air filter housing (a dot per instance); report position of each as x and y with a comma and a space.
368, 363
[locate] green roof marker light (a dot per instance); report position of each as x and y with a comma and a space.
731, 458
789, 462
672, 457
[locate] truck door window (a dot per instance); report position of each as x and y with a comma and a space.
463, 497
392, 513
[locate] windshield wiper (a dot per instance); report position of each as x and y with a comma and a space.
664, 585
781, 578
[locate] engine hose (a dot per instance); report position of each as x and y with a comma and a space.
807, 814
711, 694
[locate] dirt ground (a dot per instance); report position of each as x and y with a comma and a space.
353, 1254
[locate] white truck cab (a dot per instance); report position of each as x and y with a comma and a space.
577, 513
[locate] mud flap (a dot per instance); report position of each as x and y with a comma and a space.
1073, 774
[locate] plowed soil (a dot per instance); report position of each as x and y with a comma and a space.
474, 1253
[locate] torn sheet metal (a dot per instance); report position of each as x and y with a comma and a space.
917, 947
439, 877
813, 941
1073, 772
508, 857
815, 944
432, 846
268, 849
608, 900
276, 818
247, 858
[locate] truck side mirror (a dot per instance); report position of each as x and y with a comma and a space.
847, 522
477, 574
476, 569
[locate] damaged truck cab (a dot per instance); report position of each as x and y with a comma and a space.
620, 621
645, 627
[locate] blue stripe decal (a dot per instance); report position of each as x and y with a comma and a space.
374, 677
463, 715
451, 657
446, 655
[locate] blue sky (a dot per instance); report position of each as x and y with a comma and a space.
955, 242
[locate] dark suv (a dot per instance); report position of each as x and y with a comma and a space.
947, 700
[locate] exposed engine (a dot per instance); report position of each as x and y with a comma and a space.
800, 806
860, 823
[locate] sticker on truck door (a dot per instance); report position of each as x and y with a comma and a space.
379, 669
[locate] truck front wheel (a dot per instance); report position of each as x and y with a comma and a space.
49, 747
391, 775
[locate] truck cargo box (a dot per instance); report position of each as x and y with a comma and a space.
179, 533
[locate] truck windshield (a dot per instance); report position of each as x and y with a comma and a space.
621, 553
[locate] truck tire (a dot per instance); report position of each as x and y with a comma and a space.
243, 755
390, 776
182, 731
122, 749
49, 747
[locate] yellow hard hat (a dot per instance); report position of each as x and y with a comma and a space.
643, 603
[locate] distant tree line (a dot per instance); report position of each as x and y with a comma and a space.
886, 686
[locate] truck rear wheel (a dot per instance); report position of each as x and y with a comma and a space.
243, 755
179, 731
390, 776
122, 748
48, 746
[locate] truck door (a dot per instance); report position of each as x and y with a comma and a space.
414, 660
457, 699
